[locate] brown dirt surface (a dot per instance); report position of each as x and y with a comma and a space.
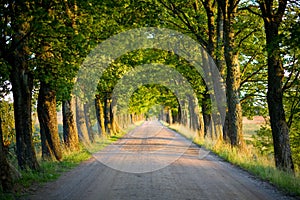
158, 170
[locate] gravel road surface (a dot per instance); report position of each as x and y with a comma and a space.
154, 162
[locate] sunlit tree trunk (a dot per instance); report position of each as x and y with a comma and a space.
114, 124
88, 122
81, 122
201, 131
70, 131
100, 114
170, 116
233, 79
47, 115
194, 113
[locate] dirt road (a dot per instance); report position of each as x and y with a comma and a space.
148, 163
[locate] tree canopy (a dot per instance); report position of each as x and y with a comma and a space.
45, 44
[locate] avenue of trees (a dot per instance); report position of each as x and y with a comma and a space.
254, 44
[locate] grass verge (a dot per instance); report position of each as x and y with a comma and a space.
250, 160
51, 170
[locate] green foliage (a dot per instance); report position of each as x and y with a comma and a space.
4, 77
129, 61
295, 147
148, 98
61, 36
263, 140
8, 122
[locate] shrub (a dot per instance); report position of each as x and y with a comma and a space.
263, 140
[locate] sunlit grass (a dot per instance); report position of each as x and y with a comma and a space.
249, 159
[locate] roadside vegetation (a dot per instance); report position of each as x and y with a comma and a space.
29, 180
253, 44
250, 158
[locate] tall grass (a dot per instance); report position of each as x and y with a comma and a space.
250, 159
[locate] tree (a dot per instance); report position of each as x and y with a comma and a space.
56, 58
272, 13
292, 84
189, 17
81, 122
48, 123
233, 78
17, 27
70, 130
100, 114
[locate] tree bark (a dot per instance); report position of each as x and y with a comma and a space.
69, 126
22, 84
16, 54
47, 115
233, 79
21, 80
114, 125
170, 116
194, 113
206, 113
219, 43
280, 130
88, 122
107, 115
100, 114
81, 122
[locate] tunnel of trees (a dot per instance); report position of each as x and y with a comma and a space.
254, 45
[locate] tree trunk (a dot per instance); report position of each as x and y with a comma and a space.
170, 116
114, 124
194, 113
214, 49
100, 115
46, 149
88, 122
206, 113
69, 125
175, 117
6, 179
233, 78
183, 113
233, 100
22, 84
81, 123
179, 113
219, 44
280, 130
226, 136
107, 115
48, 123
201, 131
